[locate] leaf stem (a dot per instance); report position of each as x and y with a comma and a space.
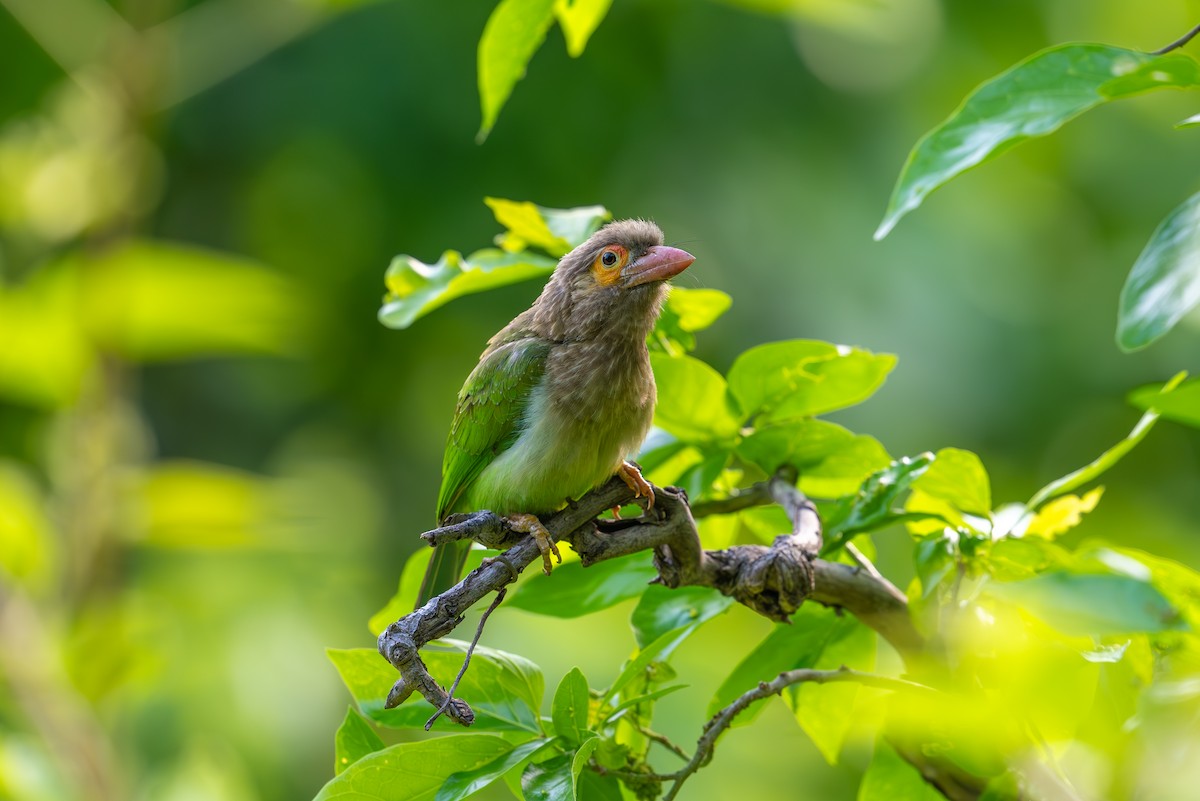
1178, 43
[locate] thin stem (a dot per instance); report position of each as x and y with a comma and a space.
1178, 43
467, 661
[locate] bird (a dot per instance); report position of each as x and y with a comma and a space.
561, 396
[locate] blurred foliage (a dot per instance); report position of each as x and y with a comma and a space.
202, 429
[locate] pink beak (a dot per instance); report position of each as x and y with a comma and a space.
657, 264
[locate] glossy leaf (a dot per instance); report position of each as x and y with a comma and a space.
798, 645
505, 690
574, 590
555, 231
416, 288
662, 609
557, 777
831, 460
890, 778
462, 784
1033, 98
692, 400
876, 503
1090, 472
959, 478
513, 33
570, 708
639, 666
826, 711
354, 740
1181, 404
801, 377
686, 312
411, 771
578, 19
1062, 514
1164, 284
1090, 604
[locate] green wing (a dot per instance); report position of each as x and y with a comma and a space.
488, 416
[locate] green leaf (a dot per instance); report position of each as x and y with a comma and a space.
570, 709
831, 460
1033, 98
412, 770
1164, 284
27, 541
574, 590
579, 18
935, 557
640, 665
685, 312
1090, 604
416, 288
354, 740
798, 645
890, 778
875, 504
662, 609
1181, 404
959, 478
803, 377
646, 698
556, 779
505, 690
555, 231
462, 784
826, 711
1090, 472
160, 301
692, 400
591, 786
513, 33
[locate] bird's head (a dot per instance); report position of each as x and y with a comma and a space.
613, 282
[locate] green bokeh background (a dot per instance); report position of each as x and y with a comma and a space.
211, 519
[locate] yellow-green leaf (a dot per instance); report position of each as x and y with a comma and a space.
578, 19
1063, 514
513, 33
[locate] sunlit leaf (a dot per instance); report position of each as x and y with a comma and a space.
801, 377
1164, 284
504, 689
579, 18
890, 778
570, 708
935, 558
26, 536
1181, 404
798, 645
1062, 514
876, 503
411, 771
513, 33
831, 460
460, 785
573, 590
416, 288
662, 609
685, 312
826, 711
692, 400
1033, 98
959, 478
640, 666
46, 353
1094, 469
157, 301
555, 231
1094, 604
354, 740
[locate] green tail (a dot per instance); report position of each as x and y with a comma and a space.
444, 571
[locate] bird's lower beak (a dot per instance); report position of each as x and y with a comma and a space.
657, 264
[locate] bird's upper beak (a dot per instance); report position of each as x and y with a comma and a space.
657, 264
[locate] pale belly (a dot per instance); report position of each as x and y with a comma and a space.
559, 457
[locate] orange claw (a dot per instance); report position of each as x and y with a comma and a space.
529, 524
633, 479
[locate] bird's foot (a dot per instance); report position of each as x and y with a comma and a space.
633, 479
529, 524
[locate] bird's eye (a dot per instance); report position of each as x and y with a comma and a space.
609, 259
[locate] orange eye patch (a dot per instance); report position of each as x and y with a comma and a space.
608, 264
